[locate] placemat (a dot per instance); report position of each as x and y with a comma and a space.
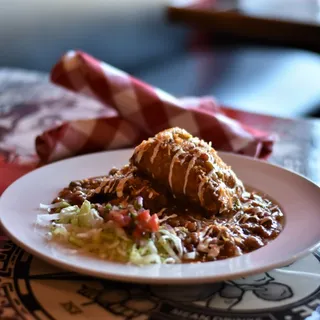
33, 289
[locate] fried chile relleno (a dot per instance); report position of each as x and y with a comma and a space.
188, 193
190, 168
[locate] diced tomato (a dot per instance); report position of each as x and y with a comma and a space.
153, 223
124, 212
119, 218
143, 216
126, 221
144, 222
147, 223
137, 233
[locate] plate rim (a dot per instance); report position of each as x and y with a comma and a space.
154, 280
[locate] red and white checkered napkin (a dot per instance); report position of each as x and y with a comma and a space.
142, 111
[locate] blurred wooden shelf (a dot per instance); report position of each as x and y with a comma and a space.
280, 25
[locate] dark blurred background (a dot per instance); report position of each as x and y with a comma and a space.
174, 50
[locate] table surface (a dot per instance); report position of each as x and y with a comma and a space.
291, 10
298, 148
292, 23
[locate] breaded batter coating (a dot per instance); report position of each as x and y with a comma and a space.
190, 168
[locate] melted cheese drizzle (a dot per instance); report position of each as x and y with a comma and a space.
186, 177
155, 152
174, 158
121, 185
201, 190
140, 152
109, 187
102, 184
201, 185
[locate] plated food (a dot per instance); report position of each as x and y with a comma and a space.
297, 196
176, 201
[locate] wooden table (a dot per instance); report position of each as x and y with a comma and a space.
31, 289
292, 23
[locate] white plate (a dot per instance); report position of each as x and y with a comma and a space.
298, 197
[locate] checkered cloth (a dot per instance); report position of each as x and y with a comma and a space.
141, 111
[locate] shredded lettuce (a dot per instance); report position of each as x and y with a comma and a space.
54, 205
143, 256
83, 228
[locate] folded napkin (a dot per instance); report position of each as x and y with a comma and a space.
140, 111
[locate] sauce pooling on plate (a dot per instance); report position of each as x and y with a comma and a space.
250, 226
